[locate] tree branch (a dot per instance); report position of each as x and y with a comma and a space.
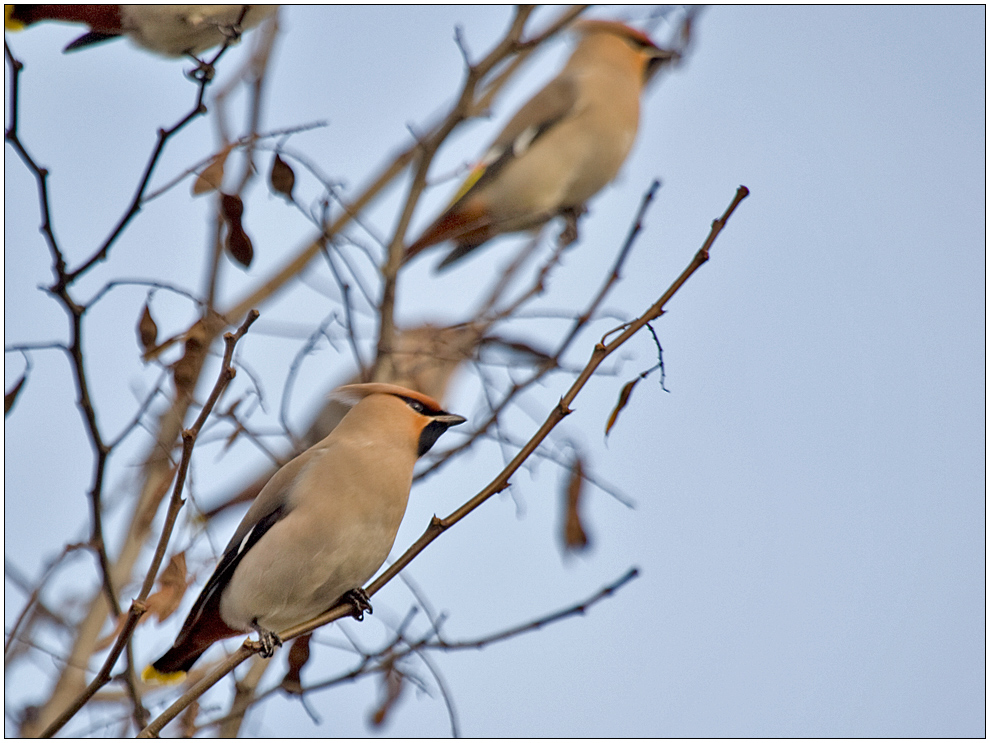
138, 607
438, 526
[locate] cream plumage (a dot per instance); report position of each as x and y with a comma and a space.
170, 30
319, 529
560, 149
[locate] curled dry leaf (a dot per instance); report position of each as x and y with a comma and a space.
171, 588
238, 243
212, 176
281, 177
392, 682
231, 207
623, 401
162, 603
575, 537
10, 398
298, 657
147, 330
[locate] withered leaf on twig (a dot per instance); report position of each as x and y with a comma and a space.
281, 177
575, 537
171, 588
162, 603
623, 401
147, 330
10, 398
231, 207
238, 243
298, 657
393, 683
212, 176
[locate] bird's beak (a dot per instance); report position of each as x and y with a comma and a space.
657, 59
450, 419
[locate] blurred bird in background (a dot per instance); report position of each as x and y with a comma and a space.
560, 149
169, 30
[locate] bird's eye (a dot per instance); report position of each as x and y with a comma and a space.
416, 405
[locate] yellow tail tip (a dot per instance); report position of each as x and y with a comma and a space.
152, 676
9, 22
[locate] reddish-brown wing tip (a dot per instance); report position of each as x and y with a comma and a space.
464, 221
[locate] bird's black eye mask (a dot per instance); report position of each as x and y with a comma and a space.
442, 420
418, 406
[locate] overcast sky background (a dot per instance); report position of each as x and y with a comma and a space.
809, 516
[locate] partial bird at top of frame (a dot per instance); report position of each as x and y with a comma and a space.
169, 30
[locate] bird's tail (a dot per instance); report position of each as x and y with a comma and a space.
171, 668
467, 225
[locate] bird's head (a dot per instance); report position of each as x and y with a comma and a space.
396, 408
632, 45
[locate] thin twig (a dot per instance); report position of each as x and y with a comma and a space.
198, 109
579, 323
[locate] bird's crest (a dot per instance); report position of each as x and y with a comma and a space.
614, 27
351, 394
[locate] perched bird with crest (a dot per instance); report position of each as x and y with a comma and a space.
560, 149
169, 30
318, 530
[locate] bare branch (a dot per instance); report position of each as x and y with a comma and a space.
138, 606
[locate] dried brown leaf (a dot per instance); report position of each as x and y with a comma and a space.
10, 398
623, 401
212, 176
147, 330
298, 656
162, 603
172, 587
239, 245
392, 683
575, 537
281, 177
232, 208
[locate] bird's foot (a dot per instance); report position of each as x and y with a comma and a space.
268, 641
232, 33
359, 601
204, 71
569, 234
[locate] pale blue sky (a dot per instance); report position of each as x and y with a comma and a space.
810, 516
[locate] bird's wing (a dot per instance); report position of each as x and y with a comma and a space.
271, 506
531, 122
467, 223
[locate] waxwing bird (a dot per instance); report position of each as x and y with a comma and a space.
319, 529
170, 30
560, 149
425, 359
